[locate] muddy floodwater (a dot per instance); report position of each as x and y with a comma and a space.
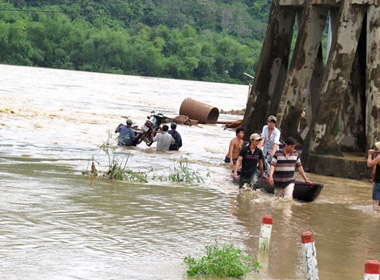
58, 223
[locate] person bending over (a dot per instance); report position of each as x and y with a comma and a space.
127, 135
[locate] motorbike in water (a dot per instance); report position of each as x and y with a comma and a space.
152, 122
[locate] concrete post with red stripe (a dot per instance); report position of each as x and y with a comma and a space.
372, 270
264, 240
265, 233
310, 255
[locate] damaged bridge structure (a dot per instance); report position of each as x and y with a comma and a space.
321, 58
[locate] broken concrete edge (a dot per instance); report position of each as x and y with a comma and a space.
351, 166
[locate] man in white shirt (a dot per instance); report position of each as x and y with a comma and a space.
271, 136
163, 139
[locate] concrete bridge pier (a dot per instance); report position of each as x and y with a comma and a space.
341, 96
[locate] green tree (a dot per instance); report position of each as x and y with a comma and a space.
186, 39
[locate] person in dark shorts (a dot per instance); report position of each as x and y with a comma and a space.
235, 147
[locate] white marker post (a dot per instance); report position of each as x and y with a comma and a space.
372, 270
264, 239
310, 255
265, 233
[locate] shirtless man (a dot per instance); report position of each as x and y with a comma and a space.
235, 146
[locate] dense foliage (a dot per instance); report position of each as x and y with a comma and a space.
221, 260
185, 39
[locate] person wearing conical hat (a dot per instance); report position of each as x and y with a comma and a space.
374, 162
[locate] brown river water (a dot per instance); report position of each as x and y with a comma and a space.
57, 223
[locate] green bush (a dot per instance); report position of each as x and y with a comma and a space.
184, 174
221, 261
117, 169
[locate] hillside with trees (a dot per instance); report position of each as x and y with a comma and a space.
183, 39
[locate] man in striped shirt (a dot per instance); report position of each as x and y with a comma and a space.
282, 167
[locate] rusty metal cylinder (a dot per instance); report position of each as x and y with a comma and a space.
199, 111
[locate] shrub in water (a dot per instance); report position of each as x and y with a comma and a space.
183, 174
221, 261
117, 168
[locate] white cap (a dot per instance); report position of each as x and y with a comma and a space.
377, 144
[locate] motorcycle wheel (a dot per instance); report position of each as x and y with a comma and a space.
149, 140
141, 138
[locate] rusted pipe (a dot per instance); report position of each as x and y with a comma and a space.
199, 111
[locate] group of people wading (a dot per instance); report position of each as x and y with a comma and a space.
167, 140
262, 156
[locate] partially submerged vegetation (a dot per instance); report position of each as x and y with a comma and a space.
118, 169
182, 174
221, 260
